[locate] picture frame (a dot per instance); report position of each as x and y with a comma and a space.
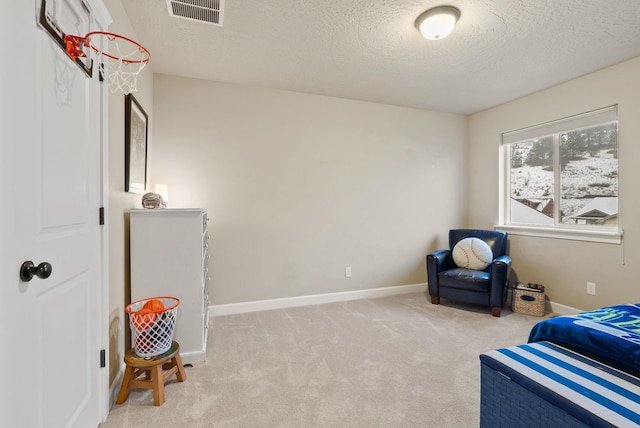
136, 124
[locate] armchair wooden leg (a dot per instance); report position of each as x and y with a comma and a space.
495, 311
435, 300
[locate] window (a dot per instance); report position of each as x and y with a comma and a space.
561, 177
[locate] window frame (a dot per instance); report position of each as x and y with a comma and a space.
580, 232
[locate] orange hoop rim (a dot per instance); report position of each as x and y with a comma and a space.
176, 300
142, 49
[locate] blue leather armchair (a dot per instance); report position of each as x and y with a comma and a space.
487, 287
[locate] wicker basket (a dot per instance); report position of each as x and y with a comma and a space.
528, 302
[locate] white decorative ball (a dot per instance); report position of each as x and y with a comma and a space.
472, 253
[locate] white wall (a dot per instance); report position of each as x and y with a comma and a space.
565, 266
119, 200
300, 186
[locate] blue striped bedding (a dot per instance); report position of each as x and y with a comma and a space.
610, 335
589, 391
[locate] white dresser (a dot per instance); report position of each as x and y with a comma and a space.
169, 253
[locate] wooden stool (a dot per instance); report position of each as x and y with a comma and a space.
156, 370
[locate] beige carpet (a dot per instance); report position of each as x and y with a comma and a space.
391, 362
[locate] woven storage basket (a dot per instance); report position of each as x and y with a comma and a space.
528, 302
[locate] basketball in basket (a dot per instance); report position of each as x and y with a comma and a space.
152, 322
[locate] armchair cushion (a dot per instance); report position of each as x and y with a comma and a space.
472, 253
466, 279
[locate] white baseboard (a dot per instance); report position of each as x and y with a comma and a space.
115, 386
316, 299
192, 357
559, 309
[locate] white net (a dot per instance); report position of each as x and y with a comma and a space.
120, 60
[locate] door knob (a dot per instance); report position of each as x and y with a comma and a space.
28, 269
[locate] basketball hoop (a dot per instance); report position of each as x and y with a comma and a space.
120, 59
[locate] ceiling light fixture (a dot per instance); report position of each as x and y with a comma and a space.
438, 22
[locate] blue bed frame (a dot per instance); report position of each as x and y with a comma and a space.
542, 385
576, 371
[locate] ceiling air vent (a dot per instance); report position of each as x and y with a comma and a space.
209, 11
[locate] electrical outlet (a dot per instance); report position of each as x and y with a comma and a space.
591, 288
347, 272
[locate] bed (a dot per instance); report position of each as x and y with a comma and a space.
577, 371
610, 335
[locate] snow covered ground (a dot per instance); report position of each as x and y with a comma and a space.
580, 181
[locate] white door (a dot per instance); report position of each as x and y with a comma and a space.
51, 136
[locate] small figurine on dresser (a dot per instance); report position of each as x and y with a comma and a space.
153, 201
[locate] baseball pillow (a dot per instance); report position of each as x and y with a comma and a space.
472, 253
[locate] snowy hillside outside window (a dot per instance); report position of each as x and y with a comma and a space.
563, 175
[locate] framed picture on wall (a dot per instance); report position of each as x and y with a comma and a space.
135, 146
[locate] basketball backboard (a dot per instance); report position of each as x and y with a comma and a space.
67, 17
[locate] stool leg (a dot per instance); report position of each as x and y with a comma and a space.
158, 384
181, 375
124, 388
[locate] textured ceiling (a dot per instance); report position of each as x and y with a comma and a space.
370, 50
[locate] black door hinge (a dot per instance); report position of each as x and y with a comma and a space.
101, 215
103, 358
